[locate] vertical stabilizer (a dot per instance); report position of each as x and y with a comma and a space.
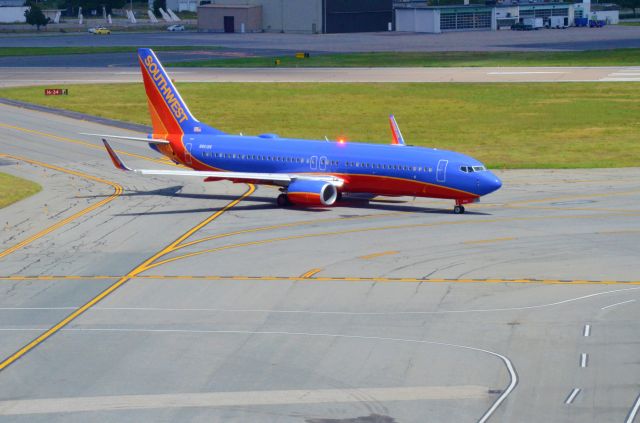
169, 113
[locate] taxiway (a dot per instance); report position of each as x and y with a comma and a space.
150, 299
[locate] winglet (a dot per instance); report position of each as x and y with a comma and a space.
395, 131
117, 162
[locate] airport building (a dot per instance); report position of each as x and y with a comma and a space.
418, 16
301, 16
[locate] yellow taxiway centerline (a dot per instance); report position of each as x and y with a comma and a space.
116, 193
376, 255
372, 229
124, 279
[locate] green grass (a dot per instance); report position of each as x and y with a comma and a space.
618, 57
542, 125
13, 189
53, 51
629, 23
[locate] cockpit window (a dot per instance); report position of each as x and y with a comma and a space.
471, 169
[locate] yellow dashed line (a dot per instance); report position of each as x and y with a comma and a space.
375, 255
329, 278
488, 241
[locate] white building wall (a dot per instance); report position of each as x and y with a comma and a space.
612, 17
285, 15
405, 20
12, 14
418, 20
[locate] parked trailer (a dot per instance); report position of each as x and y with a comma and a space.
535, 23
558, 22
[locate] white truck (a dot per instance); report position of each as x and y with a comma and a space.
558, 22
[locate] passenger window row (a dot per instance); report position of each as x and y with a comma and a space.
383, 166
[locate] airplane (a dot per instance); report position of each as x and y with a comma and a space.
309, 173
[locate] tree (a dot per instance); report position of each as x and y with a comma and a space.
35, 16
157, 4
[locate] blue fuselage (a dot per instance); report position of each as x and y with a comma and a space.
370, 168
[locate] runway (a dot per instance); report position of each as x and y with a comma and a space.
10, 77
131, 299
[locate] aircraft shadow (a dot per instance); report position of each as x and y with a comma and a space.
269, 203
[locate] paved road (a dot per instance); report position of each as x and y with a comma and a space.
110, 60
60, 76
570, 39
293, 315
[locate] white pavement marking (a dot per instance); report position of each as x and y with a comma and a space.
628, 79
354, 313
617, 304
525, 72
583, 359
238, 399
485, 417
572, 396
336, 312
634, 411
587, 330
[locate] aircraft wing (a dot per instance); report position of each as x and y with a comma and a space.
283, 179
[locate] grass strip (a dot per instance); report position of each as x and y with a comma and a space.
14, 189
617, 57
506, 125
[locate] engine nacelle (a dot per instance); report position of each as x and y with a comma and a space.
312, 193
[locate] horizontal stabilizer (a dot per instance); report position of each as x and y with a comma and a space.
122, 137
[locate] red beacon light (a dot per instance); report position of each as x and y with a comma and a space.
341, 140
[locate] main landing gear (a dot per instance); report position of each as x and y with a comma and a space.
282, 200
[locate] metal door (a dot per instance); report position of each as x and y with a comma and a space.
323, 163
229, 24
441, 171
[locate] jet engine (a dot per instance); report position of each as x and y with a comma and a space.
311, 193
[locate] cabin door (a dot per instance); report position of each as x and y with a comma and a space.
441, 171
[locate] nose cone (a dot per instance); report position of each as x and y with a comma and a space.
489, 183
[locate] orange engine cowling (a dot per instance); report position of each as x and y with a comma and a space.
312, 193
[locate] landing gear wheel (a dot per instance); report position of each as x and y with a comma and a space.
282, 200
458, 209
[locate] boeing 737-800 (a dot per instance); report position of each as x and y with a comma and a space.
308, 172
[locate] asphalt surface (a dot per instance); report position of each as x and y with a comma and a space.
613, 36
392, 310
109, 60
58, 77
